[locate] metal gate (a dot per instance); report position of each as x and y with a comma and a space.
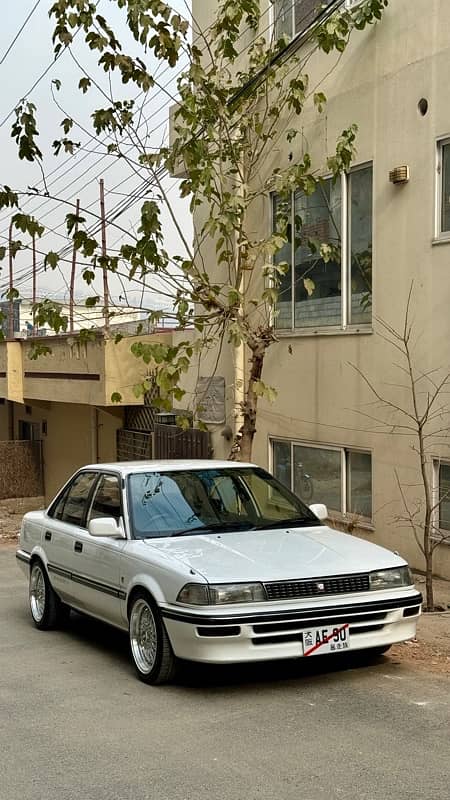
172, 442
134, 445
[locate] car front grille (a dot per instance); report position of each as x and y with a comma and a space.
318, 587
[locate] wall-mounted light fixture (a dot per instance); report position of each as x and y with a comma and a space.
399, 174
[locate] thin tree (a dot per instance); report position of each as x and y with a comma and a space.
418, 409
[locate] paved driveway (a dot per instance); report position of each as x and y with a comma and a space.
76, 724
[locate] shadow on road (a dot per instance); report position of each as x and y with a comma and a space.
192, 675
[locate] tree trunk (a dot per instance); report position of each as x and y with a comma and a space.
429, 576
249, 406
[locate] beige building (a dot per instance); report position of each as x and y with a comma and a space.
320, 436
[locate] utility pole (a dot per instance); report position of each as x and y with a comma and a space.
11, 285
72, 273
34, 285
105, 271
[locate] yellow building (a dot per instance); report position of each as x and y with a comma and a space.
62, 401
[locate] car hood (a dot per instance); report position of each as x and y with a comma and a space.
271, 555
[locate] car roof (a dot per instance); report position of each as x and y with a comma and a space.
166, 465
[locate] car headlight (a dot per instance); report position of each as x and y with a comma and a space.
390, 578
213, 594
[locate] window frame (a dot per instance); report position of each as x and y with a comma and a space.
351, 4
65, 491
439, 234
95, 488
344, 450
293, 32
346, 325
437, 531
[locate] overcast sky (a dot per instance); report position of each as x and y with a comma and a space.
70, 178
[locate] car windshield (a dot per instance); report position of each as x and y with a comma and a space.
194, 502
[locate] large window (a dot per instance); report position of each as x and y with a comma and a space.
443, 210
293, 16
329, 286
442, 495
339, 477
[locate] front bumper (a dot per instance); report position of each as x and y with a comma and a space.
271, 632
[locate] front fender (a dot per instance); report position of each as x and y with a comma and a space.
147, 582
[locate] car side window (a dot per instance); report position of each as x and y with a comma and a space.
72, 505
107, 500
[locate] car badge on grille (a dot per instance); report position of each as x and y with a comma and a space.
320, 587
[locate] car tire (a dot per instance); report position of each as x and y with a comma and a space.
46, 608
151, 651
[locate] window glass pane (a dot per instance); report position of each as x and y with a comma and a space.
318, 283
444, 497
305, 12
445, 217
317, 476
106, 502
76, 502
57, 509
282, 209
281, 458
359, 489
283, 18
360, 182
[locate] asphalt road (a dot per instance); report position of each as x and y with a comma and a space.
76, 724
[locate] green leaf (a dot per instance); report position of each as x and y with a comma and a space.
319, 100
51, 259
309, 285
84, 84
116, 397
67, 124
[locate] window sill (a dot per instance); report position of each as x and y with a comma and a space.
351, 524
360, 330
441, 541
442, 239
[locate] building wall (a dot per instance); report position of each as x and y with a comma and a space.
321, 399
72, 435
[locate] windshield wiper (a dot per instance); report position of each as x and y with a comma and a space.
216, 527
300, 522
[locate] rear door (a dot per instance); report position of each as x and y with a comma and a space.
65, 522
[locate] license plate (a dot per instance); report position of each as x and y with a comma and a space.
330, 639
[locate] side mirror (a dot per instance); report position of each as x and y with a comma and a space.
105, 526
320, 510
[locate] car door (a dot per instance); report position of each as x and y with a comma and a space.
97, 559
65, 520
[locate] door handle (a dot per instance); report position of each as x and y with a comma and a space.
48, 536
78, 547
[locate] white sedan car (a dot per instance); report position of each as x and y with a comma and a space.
210, 561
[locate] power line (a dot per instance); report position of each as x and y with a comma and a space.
43, 74
147, 183
163, 122
19, 32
